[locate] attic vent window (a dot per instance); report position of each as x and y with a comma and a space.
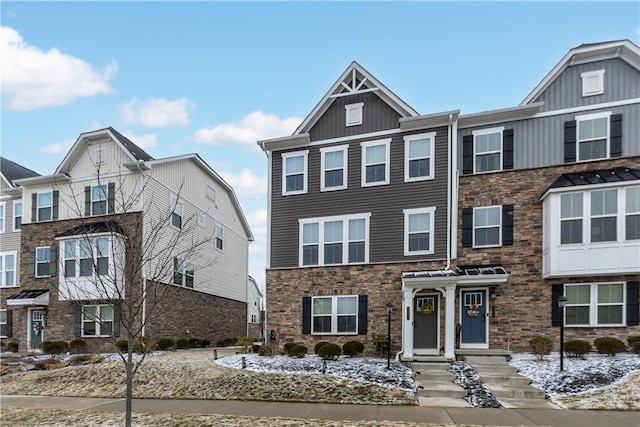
592, 82
98, 155
354, 114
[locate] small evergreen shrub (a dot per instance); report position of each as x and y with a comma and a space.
54, 347
228, 342
316, 348
78, 345
220, 343
288, 346
194, 342
329, 351
255, 348
52, 363
205, 343
265, 350
165, 343
298, 350
380, 344
353, 348
577, 348
12, 346
182, 343
245, 343
123, 345
84, 359
632, 340
540, 346
636, 347
609, 346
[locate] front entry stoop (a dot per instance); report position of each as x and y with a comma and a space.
435, 385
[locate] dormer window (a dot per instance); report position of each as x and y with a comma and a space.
354, 114
592, 82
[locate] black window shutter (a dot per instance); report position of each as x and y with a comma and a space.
507, 224
31, 266
570, 139
507, 149
53, 264
616, 135
111, 197
116, 320
467, 154
77, 321
467, 227
34, 207
362, 314
306, 315
556, 312
55, 205
9, 323
87, 200
633, 303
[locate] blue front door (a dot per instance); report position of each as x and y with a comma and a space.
474, 316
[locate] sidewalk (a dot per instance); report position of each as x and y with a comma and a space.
420, 414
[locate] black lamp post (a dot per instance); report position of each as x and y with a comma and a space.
389, 307
562, 302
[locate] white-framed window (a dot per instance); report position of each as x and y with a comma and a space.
202, 220
353, 114
8, 269
592, 82
487, 226
219, 235
3, 323
3, 214
86, 256
632, 213
375, 162
183, 273
294, 172
211, 193
43, 261
604, 214
595, 304
333, 167
334, 240
177, 211
419, 156
17, 215
418, 231
487, 150
571, 218
593, 136
98, 155
334, 315
44, 206
99, 199
97, 320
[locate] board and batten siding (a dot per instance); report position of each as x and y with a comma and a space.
385, 203
114, 157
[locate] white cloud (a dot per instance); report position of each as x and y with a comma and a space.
56, 147
157, 112
253, 127
145, 141
246, 184
33, 78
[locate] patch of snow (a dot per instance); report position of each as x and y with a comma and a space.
478, 394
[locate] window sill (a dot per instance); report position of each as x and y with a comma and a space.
326, 189
293, 193
421, 178
487, 246
375, 184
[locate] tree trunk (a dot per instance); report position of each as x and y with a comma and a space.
129, 368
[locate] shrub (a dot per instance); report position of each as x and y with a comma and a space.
123, 345
380, 343
12, 346
540, 346
609, 346
245, 343
220, 343
182, 343
318, 346
228, 342
194, 342
633, 340
288, 346
298, 350
54, 347
165, 343
577, 348
255, 348
329, 351
265, 350
142, 344
636, 347
78, 345
205, 343
353, 348
85, 359
52, 363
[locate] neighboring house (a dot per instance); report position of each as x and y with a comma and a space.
255, 307
107, 202
11, 213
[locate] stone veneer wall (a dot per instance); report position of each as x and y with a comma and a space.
523, 307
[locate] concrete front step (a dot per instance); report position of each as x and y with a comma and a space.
440, 389
514, 391
486, 360
435, 376
494, 369
497, 378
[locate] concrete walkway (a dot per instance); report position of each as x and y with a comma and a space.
419, 414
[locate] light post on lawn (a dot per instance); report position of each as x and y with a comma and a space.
389, 307
562, 302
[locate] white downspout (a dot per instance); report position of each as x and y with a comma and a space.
449, 170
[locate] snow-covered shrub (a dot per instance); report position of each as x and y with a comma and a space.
353, 348
609, 346
540, 346
78, 345
165, 343
318, 346
577, 348
298, 350
54, 347
329, 351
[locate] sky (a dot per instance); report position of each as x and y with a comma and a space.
215, 77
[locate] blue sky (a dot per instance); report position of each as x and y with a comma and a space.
215, 77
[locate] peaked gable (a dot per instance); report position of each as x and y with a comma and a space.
12, 171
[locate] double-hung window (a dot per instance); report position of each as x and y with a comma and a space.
604, 213
487, 223
632, 213
177, 209
375, 162
17, 216
8, 269
418, 157
99, 199
595, 304
219, 235
294, 172
3, 213
334, 240
571, 217
487, 150
593, 136
44, 206
335, 315
43, 261
183, 273
333, 165
3, 323
97, 320
418, 236
86, 257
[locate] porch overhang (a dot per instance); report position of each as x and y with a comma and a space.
32, 297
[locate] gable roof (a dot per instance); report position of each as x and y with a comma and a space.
12, 171
589, 52
355, 79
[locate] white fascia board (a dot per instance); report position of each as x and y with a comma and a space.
499, 116
43, 180
40, 300
483, 279
294, 141
429, 120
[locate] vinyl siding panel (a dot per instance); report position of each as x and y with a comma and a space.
114, 157
10, 240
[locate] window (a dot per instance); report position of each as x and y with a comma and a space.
44, 206
418, 157
2, 216
98, 155
335, 315
3, 323
418, 226
334, 240
183, 273
17, 216
375, 162
592, 82
487, 150
202, 219
571, 218
97, 320
8, 269
593, 136
632, 213
595, 304
334, 168
84, 257
354, 114
219, 232
43, 261
294, 172
487, 226
98, 200
604, 211
176, 212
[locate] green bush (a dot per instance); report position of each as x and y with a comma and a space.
609, 346
329, 351
12, 346
316, 348
255, 348
220, 343
265, 350
165, 343
380, 344
246, 344
634, 339
142, 344
577, 348
194, 342
288, 346
228, 342
78, 345
298, 350
353, 348
540, 346
205, 343
123, 345
54, 347
636, 347
182, 343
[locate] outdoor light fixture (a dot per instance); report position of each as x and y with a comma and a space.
389, 307
562, 302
